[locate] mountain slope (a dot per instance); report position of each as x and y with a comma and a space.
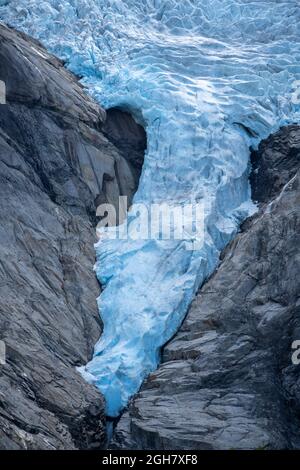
56, 166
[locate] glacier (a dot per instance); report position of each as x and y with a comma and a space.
208, 79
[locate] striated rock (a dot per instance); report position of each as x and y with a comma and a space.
274, 164
227, 380
56, 166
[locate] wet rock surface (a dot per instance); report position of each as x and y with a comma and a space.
56, 166
227, 380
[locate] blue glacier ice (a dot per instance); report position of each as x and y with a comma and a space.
208, 79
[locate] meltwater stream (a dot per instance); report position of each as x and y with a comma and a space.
208, 78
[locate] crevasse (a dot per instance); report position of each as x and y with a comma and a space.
208, 78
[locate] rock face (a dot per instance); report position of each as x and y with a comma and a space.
128, 136
56, 166
227, 380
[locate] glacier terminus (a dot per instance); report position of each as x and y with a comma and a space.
207, 79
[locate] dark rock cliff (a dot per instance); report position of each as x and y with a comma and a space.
227, 380
56, 166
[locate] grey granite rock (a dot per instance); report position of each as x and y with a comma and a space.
227, 380
56, 166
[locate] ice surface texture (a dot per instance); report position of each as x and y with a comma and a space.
208, 78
